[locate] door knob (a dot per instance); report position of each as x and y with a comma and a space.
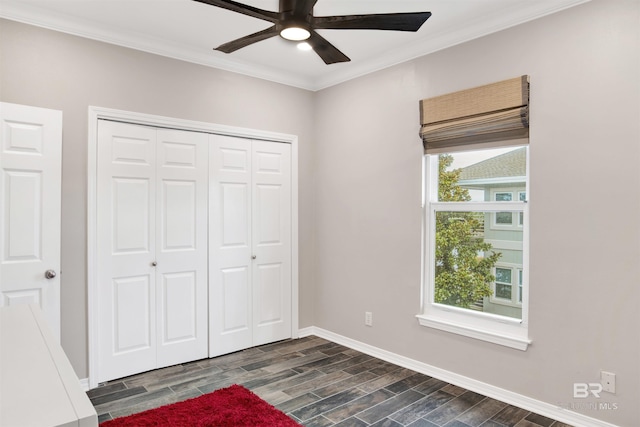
153, 264
49, 274
253, 257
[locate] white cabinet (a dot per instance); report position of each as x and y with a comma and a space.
38, 386
250, 243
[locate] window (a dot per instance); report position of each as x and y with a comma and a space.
476, 244
475, 241
506, 220
520, 285
522, 196
503, 287
507, 289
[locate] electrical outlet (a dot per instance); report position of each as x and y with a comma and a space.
368, 318
608, 381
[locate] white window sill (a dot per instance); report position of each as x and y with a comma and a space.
516, 340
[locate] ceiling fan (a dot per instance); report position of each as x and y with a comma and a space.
295, 21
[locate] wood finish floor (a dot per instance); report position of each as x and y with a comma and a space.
317, 383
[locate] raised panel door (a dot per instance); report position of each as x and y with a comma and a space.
126, 224
250, 243
30, 194
271, 231
230, 304
181, 250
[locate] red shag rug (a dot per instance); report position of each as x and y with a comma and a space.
232, 406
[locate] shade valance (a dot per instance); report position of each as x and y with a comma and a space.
487, 115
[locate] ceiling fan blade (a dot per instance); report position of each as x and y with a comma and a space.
325, 50
234, 45
411, 21
243, 9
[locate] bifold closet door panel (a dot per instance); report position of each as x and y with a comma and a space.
271, 241
126, 224
250, 243
181, 246
230, 264
152, 247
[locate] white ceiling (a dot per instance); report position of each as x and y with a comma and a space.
188, 30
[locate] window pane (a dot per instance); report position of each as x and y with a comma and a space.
467, 250
503, 197
522, 196
519, 285
463, 260
504, 218
503, 291
467, 176
503, 275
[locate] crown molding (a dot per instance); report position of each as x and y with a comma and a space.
510, 17
27, 14
443, 40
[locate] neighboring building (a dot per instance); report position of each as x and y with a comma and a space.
501, 178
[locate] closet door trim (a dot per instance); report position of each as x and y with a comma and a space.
100, 113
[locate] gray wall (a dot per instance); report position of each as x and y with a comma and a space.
585, 201
360, 186
53, 70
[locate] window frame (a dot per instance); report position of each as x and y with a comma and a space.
516, 223
502, 330
515, 285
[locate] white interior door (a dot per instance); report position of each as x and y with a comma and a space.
230, 271
181, 252
30, 188
271, 229
126, 200
152, 247
250, 244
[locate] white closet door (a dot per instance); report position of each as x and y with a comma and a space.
230, 271
126, 201
271, 226
250, 243
152, 247
30, 178
181, 246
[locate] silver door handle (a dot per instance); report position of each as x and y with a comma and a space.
49, 274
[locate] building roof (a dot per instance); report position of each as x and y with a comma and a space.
509, 164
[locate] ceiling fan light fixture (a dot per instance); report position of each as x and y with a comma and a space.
304, 46
296, 22
295, 33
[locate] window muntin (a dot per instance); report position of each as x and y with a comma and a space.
476, 206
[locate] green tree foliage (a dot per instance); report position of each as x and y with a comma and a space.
464, 261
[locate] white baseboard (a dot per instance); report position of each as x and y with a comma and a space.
515, 399
84, 384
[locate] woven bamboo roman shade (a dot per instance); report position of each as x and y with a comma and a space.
484, 115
